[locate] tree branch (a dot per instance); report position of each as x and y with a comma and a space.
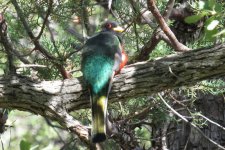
3, 37
168, 9
36, 43
190, 123
54, 99
178, 46
29, 31
4, 40
139, 79
45, 19
157, 36
212, 122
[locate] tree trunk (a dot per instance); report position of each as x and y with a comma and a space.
182, 136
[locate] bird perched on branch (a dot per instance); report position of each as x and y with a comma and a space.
102, 57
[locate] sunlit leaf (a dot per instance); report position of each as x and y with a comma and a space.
201, 4
210, 34
211, 4
212, 25
220, 33
218, 7
194, 18
34, 147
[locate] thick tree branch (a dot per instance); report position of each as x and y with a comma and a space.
54, 99
178, 46
148, 47
157, 36
168, 9
190, 123
139, 79
76, 34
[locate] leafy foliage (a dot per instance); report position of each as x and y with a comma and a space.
212, 12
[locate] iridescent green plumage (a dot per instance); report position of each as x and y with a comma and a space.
97, 71
101, 57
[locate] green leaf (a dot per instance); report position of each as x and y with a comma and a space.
218, 7
25, 145
220, 33
194, 18
208, 21
212, 25
211, 4
210, 34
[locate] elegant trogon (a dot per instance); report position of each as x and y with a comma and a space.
102, 57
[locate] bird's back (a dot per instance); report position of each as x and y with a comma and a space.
99, 59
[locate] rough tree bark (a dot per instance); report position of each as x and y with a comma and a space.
54, 99
185, 137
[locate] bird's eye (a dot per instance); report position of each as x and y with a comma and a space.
108, 25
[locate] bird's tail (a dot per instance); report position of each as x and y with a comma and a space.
99, 107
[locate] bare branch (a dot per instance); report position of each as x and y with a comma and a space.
209, 120
29, 31
31, 66
190, 123
45, 19
147, 18
178, 46
10, 51
147, 48
3, 33
76, 34
168, 9
138, 115
156, 37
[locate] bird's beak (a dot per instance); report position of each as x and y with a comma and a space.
118, 29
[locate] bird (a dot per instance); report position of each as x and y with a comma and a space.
103, 56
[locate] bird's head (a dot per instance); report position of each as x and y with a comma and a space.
112, 26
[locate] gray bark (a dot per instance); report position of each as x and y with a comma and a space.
54, 99
185, 137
